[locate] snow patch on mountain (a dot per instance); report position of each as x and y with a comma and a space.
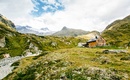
29, 29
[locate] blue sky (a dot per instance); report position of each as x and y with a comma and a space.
43, 7
88, 15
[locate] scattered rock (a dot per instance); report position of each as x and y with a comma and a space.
93, 73
31, 45
114, 51
6, 55
54, 44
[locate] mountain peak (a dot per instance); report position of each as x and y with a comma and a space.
45, 29
70, 32
64, 28
31, 30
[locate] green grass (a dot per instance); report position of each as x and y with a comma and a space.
6, 29
74, 63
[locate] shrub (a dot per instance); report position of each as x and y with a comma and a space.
16, 63
125, 58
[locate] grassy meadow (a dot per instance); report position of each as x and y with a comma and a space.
74, 63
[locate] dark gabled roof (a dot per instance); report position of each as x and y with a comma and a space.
91, 40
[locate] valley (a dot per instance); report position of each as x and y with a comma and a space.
58, 56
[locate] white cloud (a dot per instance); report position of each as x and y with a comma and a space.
15, 8
81, 14
51, 1
45, 7
87, 14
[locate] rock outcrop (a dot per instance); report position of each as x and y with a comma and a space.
2, 42
6, 21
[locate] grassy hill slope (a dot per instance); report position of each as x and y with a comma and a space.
117, 33
73, 64
16, 44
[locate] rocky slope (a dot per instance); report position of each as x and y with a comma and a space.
117, 33
70, 32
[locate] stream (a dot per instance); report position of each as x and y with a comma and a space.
5, 65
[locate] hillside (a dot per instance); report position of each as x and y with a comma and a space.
16, 44
70, 32
89, 35
73, 64
117, 33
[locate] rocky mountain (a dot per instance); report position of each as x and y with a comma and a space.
6, 21
29, 29
117, 33
70, 32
